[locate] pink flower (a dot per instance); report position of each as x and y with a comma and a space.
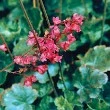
57, 58
67, 28
29, 80
32, 38
77, 19
28, 83
18, 59
56, 20
3, 47
25, 60
65, 45
43, 57
33, 78
75, 27
55, 30
71, 38
41, 69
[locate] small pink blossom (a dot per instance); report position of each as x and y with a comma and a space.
29, 80
18, 59
43, 57
75, 27
3, 47
56, 20
67, 28
77, 19
41, 69
57, 58
33, 78
28, 83
32, 38
55, 30
65, 45
71, 38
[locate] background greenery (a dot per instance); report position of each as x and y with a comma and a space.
86, 65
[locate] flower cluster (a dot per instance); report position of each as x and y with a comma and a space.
59, 37
3, 47
29, 80
25, 60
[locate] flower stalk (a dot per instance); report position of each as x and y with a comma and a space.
45, 13
103, 22
6, 46
51, 80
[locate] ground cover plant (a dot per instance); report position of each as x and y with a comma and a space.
54, 54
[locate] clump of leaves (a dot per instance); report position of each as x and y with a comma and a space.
89, 82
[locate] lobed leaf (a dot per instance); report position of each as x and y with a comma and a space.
89, 81
19, 97
98, 58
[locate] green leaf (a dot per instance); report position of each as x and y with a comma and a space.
43, 89
13, 3
1, 108
98, 58
89, 82
9, 30
98, 104
63, 104
69, 7
35, 16
46, 103
106, 92
19, 97
5, 60
72, 98
21, 47
67, 82
94, 34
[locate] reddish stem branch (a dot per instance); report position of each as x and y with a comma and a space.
6, 46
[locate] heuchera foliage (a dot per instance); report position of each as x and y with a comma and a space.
54, 55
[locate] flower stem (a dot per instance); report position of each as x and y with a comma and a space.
34, 3
6, 46
7, 67
61, 75
29, 22
51, 80
45, 13
26, 15
103, 22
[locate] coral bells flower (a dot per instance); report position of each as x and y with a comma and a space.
41, 69
55, 30
71, 38
3, 47
73, 24
65, 45
51, 43
57, 58
77, 19
75, 27
31, 38
25, 60
29, 80
56, 20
